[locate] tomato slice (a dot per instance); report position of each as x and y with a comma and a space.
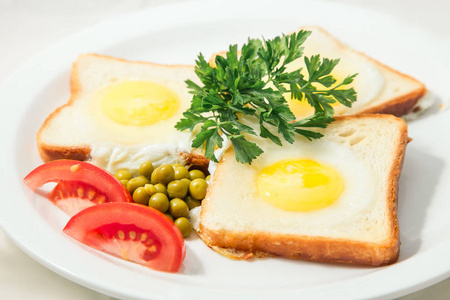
74, 196
130, 231
80, 184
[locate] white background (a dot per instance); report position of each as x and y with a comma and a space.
28, 27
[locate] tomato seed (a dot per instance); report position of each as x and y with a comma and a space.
148, 255
74, 168
121, 234
101, 199
91, 194
149, 242
132, 235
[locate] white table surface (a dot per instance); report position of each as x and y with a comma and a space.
27, 27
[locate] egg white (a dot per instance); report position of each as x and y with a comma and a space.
356, 175
105, 129
114, 157
116, 146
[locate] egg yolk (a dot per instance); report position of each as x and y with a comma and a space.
300, 108
299, 185
138, 103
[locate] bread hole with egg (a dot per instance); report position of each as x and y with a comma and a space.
122, 113
280, 204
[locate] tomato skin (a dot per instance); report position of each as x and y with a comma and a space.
73, 170
130, 231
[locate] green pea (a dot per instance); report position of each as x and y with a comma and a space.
178, 208
163, 174
146, 169
191, 202
136, 182
124, 182
169, 216
208, 178
184, 226
161, 188
178, 165
197, 188
181, 172
123, 174
150, 189
193, 174
141, 196
187, 181
143, 178
177, 189
159, 201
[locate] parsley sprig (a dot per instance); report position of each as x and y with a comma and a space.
253, 82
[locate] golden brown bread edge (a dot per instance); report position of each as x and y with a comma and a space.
401, 105
82, 152
242, 245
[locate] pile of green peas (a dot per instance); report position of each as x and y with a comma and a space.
172, 189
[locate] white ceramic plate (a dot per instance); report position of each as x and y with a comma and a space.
176, 34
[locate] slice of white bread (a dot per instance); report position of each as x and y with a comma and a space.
235, 221
380, 88
76, 129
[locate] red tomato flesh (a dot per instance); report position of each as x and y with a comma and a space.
130, 231
74, 196
80, 185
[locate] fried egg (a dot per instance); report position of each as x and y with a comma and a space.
320, 178
136, 111
125, 112
321, 184
138, 118
299, 184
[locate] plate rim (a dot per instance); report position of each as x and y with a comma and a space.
67, 273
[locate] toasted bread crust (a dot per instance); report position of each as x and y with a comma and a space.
399, 106
245, 245
49, 153
301, 247
54, 152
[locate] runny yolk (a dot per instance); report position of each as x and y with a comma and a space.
299, 184
138, 103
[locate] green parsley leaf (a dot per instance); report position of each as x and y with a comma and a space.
253, 82
244, 150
